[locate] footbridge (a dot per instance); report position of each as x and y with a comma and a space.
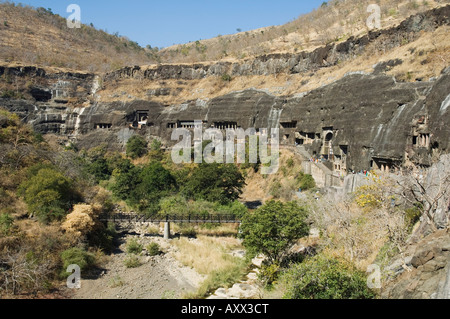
173, 218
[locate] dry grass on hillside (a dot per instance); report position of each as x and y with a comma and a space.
280, 186
336, 21
39, 37
423, 59
362, 227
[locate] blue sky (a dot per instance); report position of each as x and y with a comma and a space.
164, 23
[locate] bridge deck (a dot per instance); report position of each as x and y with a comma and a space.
195, 219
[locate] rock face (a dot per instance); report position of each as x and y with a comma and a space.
366, 120
359, 122
428, 270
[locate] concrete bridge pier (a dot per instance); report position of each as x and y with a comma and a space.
166, 230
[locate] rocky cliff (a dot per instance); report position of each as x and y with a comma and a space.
368, 119
303, 62
423, 272
360, 121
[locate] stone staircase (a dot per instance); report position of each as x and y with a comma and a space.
249, 288
321, 174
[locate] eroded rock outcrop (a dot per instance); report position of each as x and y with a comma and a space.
302, 62
363, 120
424, 272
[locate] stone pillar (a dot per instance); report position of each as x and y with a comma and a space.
166, 230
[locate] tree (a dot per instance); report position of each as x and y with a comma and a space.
429, 191
136, 147
156, 153
49, 194
156, 182
273, 229
126, 178
215, 182
97, 164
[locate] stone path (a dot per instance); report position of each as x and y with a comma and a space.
246, 289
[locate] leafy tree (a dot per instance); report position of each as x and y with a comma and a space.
49, 194
156, 152
99, 169
321, 277
173, 205
156, 182
273, 229
126, 178
221, 183
97, 164
136, 147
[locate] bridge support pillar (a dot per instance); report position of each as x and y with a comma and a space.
166, 230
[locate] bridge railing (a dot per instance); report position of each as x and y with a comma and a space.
175, 218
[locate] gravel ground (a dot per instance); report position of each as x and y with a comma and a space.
159, 277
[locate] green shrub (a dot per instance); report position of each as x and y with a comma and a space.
226, 78
305, 181
6, 223
153, 249
412, 216
276, 189
133, 247
136, 147
172, 205
290, 163
103, 237
76, 256
321, 277
132, 261
269, 272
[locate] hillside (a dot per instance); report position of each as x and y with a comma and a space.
87, 126
92, 50
334, 21
38, 37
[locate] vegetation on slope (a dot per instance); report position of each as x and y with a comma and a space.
51, 43
333, 21
43, 225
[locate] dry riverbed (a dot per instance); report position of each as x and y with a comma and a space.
158, 277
